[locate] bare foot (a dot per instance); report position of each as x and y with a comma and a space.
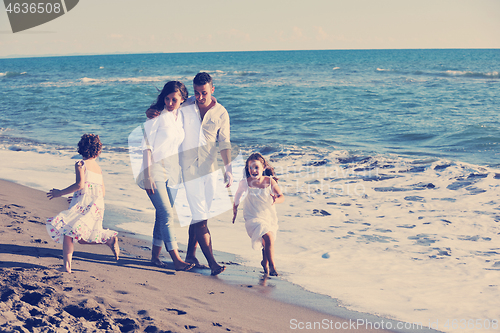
66, 267
218, 270
113, 245
63, 269
184, 267
157, 262
273, 273
193, 260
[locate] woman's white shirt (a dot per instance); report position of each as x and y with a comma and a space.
163, 135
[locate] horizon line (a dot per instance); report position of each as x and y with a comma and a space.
20, 56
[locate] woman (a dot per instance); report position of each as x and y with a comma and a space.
162, 137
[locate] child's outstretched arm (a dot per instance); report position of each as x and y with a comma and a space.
78, 185
277, 195
241, 189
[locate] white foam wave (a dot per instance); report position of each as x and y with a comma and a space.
87, 80
245, 73
373, 223
124, 79
217, 71
5, 129
12, 74
96, 81
489, 75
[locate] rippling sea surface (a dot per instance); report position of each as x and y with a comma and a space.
388, 160
416, 103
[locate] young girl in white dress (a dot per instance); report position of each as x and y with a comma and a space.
262, 192
82, 222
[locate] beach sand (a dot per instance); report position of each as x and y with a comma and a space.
102, 295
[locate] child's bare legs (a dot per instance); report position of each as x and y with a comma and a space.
268, 243
68, 249
112, 243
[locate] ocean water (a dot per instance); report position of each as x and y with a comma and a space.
388, 159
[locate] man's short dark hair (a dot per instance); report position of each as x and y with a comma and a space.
202, 78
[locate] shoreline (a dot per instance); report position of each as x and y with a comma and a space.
270, 304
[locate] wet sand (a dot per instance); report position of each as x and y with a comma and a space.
102, 295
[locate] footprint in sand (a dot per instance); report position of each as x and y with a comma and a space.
441, 167
127, 324
89, 314
458, 185
375, 239
383, 230
320, 212
407, 226
144, 314
152, 329
422, 239
474, 190
415, 198
32, 298
38, 241
179, 312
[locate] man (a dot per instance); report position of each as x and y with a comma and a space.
206, 122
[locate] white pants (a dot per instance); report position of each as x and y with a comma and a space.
200, 192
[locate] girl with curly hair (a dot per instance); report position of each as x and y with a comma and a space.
82, 222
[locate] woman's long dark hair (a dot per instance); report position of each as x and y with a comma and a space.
168, 88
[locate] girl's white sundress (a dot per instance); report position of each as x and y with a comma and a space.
260, 215
83, 219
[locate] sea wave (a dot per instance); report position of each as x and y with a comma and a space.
447, 73
5, 129
16, 143
489, 75
126, 79
245, 73
99, 81
217, 71
12, 74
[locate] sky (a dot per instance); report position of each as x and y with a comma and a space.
126, 26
